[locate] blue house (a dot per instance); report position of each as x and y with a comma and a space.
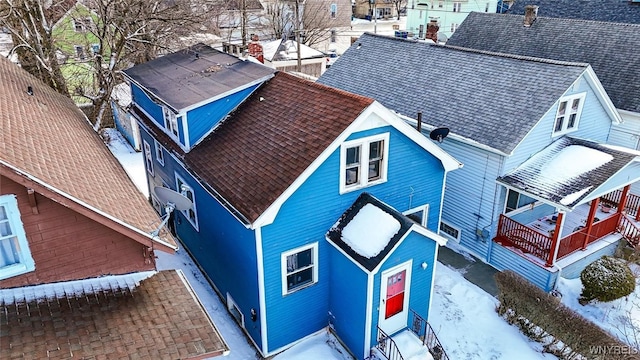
532, 134
277, 168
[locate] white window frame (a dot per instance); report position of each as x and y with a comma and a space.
159, 152
18, 236
148, 158
425, 214
565, 129
447, 235
80, 55
184, 188
364, 181
332, 37
333, 10
454, 27
283, 267
457, 6
520, 209
231, 305
170, 122
81, 25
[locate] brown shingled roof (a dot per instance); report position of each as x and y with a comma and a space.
266, 144
159, 319
46, 137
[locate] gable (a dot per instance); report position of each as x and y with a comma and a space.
490, 99
614, 59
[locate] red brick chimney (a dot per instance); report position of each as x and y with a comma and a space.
432, 30
255, 49
530, 15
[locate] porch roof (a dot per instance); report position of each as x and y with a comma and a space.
572, 171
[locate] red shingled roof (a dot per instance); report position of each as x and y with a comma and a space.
159, 319
266, 144
47, 137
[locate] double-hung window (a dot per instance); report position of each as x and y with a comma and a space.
516, 201
333, 9
299, 268
148, 158
159, 152
363, 162
187, 191
170, 121
568, 114
457, 6
15, 256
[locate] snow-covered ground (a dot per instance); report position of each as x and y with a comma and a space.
462, 315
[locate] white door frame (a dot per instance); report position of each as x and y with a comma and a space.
398, 321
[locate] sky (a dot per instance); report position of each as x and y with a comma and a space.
462, 315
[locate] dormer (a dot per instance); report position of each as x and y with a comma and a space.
187, 93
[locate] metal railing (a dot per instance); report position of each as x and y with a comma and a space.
424, 332
387, 347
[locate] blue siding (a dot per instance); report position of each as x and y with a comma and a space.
307, 215
505, 259
202, 119
140, 98
348, 301
594, 125
420, 249
471, 194
223, 247
573, 270
123, 124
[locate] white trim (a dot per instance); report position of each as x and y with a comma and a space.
602, 95
148, 157
89, 207
441, 240
433, 280
189, 188
368, 322
425, 213
26, 263
159, 149
230, 304
283, 267
347, 255
521, 209
444, 234
227, 93
156, 125
449, 163
568, 100
405, 266
363, 165
261, 291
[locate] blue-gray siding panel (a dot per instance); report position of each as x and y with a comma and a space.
307, 215
470, 196
347, 301
505, 259
420, 249
573, 271
223, 247
204, 118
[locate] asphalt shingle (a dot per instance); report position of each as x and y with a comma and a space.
623, 11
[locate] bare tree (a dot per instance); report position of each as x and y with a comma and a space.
399, 5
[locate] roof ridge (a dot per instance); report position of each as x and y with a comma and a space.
513, 56
320, 86
566, 19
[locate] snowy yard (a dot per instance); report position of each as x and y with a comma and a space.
462, 315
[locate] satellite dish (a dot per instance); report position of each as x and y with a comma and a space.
168, 196
439, 134
171, 200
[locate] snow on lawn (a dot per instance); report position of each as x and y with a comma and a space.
613, 316
468, 326
462, 314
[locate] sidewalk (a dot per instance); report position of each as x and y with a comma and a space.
471, 268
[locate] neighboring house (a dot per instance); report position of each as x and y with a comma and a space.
277, 167
124, 122
449, 14
329, 22
283, 55
384, 9
507, 115
621, 11
76, 243
615, 61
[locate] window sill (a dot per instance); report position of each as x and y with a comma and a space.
14, 270
344, 190
299, 288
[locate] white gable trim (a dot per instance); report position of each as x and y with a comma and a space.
448, 162
261, 291
227, 93
368, 322
601, 94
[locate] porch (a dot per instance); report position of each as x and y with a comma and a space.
556, 236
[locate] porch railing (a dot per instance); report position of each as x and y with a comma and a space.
613, 198
512, 233
630, 231
578, 240
387, 347
423, 330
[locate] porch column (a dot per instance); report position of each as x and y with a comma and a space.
553, 251
589, 225
623, 198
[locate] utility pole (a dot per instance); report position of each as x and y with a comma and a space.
243, 23
297, 30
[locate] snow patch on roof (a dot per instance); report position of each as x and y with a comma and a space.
370, 230
574, 161
571, 198
72, 288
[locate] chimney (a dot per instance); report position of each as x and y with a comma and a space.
255, 49
530, 15
432, 30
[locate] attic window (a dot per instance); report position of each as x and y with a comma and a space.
568, 114
363, 162
170, 121
15, 256
81, 25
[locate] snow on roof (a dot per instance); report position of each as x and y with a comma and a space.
287, 50
71, 288
571, 198
573, 161
122, 94
369, 232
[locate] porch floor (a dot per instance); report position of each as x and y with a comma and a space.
572, 220
411, 347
